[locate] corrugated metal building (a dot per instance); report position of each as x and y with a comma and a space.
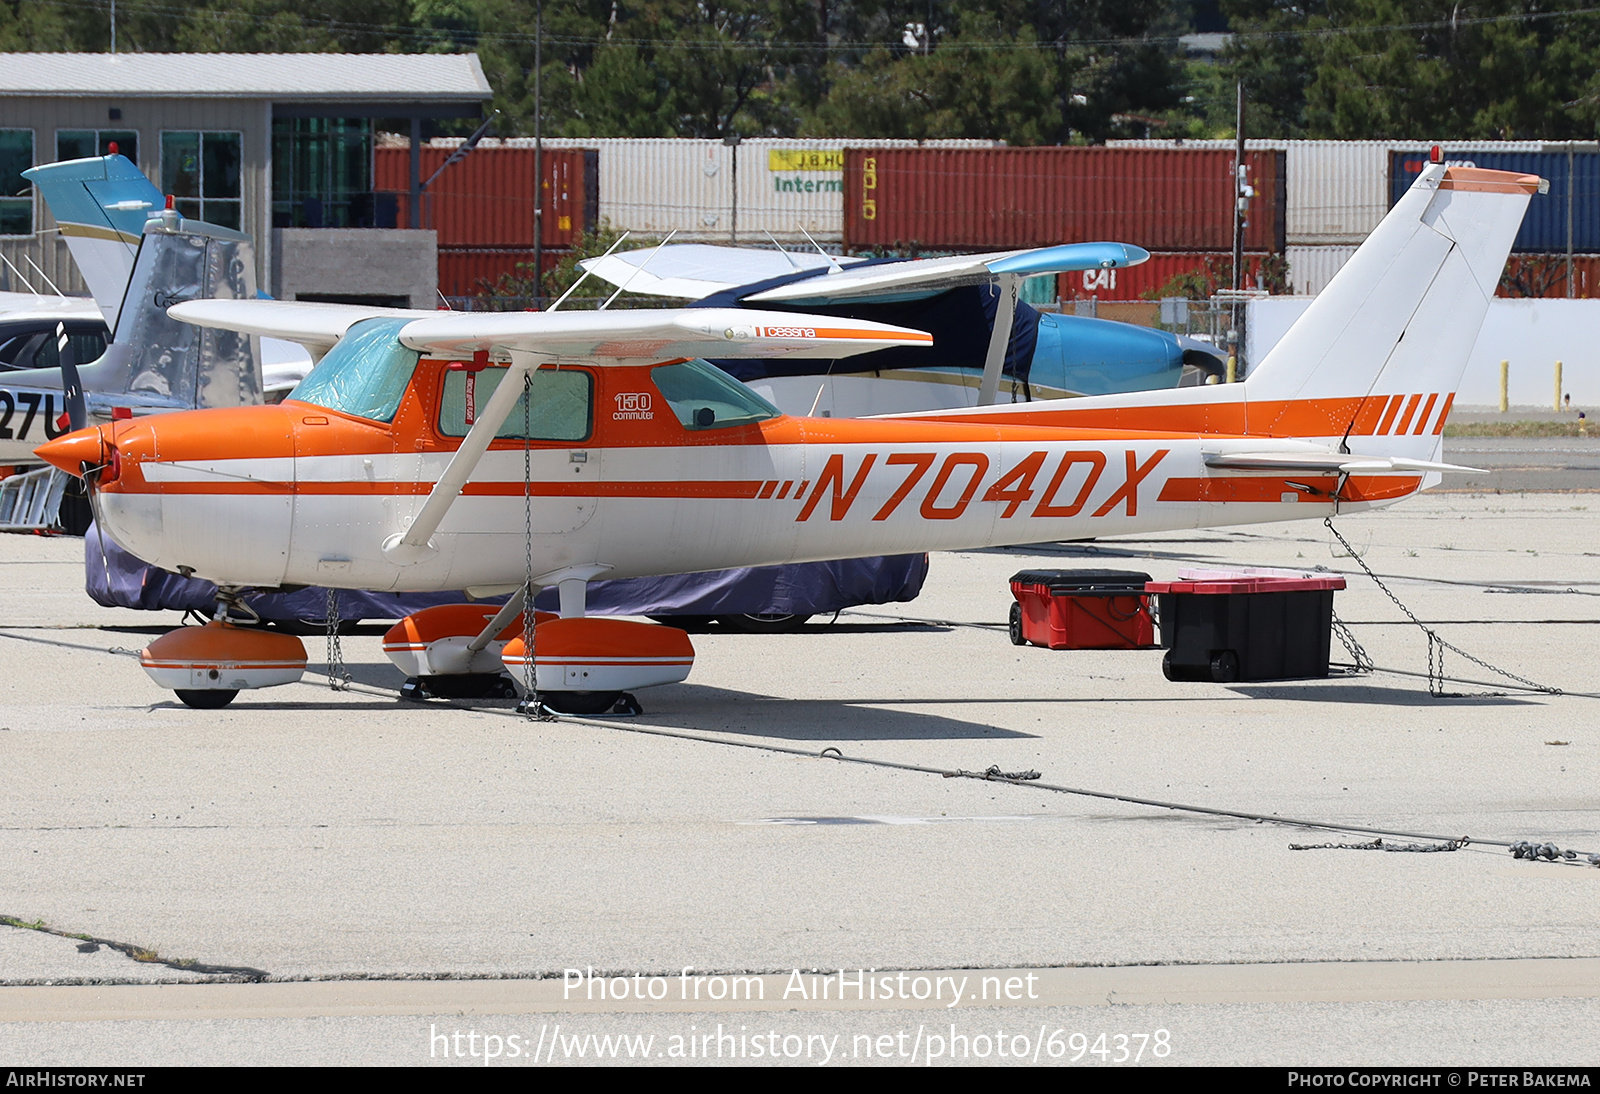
262, 142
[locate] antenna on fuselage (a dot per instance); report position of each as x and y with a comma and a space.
44, 275
16, 273
585, 275
833, 262
638, 270
785, 254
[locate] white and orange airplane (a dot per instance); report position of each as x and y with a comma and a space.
502, 452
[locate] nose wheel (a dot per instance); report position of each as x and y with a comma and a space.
206, 700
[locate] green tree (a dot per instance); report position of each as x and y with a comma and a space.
1373, 69
971, 86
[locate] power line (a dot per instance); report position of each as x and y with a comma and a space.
464, 37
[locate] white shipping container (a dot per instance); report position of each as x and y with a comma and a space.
1311, 268
1338, 190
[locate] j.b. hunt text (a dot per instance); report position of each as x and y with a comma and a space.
815, 986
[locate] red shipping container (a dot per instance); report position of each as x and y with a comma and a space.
475, 271
1178, 199
1148, 279
1545, 276
1081, 610
487, 199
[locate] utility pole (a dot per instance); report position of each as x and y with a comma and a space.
538, 155
113, 26
1571, 185
1239, 200
731, 139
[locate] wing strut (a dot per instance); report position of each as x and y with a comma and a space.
999, 339
413, 544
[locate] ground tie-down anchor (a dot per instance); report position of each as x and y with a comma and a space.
1549, 852
993, 773
1436, 644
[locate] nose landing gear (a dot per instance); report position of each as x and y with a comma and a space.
208, 666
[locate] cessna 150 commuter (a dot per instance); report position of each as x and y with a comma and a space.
502, 452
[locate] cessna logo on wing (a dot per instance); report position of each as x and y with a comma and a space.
633, 406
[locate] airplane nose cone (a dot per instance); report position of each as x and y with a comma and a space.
73, 451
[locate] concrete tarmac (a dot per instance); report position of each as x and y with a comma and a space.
303, 836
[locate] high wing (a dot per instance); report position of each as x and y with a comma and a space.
694, 271
315, 326
594, 335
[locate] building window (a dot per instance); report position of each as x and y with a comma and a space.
202, 173
322, 174
81, 144
16, 193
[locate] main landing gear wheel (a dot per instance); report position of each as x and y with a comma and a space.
1014, 627
209, 699
464, 685
764, 623
580, 702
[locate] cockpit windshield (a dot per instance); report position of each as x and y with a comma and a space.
705, 397
364, 374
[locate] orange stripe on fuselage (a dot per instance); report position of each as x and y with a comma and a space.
736, 489
1263, 489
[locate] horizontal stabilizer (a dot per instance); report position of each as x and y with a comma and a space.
1325, 463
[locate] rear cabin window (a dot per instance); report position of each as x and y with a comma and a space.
705, 397
560, 409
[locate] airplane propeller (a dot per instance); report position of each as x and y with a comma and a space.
77, 413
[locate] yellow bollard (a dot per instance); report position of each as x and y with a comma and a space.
1557, 404
1505, 375
1233, 370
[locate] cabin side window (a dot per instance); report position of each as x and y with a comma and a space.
704, 397
560, 410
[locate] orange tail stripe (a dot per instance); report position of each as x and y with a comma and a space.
1366, 422
1444, 413
1405, 420
1422, 419
1390, 410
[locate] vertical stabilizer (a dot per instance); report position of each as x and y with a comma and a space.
155, 362
1384, 346
101, 205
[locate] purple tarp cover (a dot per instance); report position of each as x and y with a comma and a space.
115, 578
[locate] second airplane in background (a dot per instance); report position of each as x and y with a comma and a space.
989, 346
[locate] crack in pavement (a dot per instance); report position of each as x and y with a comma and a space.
238, 973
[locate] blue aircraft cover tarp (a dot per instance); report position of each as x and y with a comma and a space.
116, 579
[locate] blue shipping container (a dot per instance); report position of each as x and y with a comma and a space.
1544, 229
